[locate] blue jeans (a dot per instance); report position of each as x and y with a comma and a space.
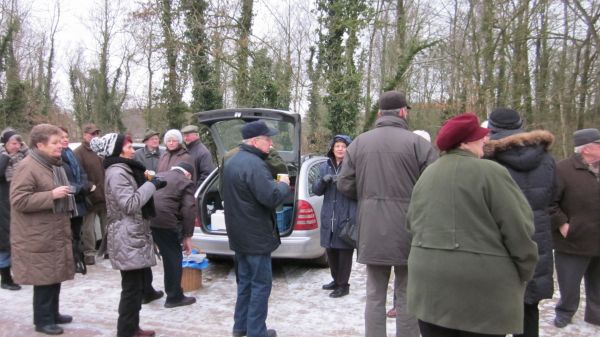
254, 288
4, 259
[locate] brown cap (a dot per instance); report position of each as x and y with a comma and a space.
149, 133
90, 128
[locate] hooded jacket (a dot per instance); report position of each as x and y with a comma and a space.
525, 156
337, 210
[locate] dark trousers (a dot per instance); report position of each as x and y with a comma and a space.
132, 289
253, 291
432, 330
148, 289
45, 304
531, 320
570, 269
340, 264
169, 245
76, 224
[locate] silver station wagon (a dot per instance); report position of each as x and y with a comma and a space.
298, 219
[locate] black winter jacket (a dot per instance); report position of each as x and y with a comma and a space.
251, 196
526, 157
338, 210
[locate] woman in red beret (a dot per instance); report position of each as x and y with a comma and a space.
472, 252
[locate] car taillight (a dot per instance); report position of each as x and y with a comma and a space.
305, 216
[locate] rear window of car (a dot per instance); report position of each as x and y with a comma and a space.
230, 134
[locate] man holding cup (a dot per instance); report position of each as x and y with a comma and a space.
251, 196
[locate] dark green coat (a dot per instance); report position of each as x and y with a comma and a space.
472, 252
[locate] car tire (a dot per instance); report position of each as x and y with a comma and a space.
321, 261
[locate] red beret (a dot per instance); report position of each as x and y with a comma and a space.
463, 128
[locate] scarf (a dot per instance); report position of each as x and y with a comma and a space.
69, 157
59, 178
138, 170
15, 158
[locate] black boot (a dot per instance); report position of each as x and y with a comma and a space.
340, 291
7, 281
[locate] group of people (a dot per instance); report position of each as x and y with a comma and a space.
50, 194
472, 230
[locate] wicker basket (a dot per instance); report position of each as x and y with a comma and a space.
191, 279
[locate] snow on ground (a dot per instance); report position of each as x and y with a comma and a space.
298, 306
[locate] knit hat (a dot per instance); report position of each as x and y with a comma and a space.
173, 133
150, 133
463, 128
6, 136
391, 100
109, 145
586, 136
503, 119
184, 166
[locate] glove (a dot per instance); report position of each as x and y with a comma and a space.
158, 183
328, 178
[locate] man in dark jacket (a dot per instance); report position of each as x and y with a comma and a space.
173, 226
251, 196
526, 156
380, 170
92, 165
576, 229
151, 152
200, 154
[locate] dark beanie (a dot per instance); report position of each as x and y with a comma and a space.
505, 118
186, 166
6, 136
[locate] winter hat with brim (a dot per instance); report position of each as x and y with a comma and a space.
463, 128
149, 134
586, 136
109, 145
173, 133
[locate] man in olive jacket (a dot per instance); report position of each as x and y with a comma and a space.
576, 229
381, 167
251, 196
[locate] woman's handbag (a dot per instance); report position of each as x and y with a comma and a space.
349, 232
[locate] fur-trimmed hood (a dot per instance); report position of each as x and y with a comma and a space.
521, 151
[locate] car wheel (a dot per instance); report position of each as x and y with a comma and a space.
321, 261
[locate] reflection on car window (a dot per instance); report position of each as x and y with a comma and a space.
313, 175
230, 134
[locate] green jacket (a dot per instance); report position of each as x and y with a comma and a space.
472, 251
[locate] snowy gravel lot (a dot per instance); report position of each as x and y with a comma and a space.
297, 308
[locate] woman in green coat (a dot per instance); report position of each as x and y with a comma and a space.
471, 253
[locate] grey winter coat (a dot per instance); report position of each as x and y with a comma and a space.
337, 210
202, 160
148, 158
380, 169
526, 157
130, 244
7, 163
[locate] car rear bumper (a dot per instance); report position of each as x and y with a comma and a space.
294, 246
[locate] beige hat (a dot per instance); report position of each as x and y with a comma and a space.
189, 129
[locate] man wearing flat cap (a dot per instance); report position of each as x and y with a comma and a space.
151, 152
576, 229
251, 196
200, 154
93, 165
381, 168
